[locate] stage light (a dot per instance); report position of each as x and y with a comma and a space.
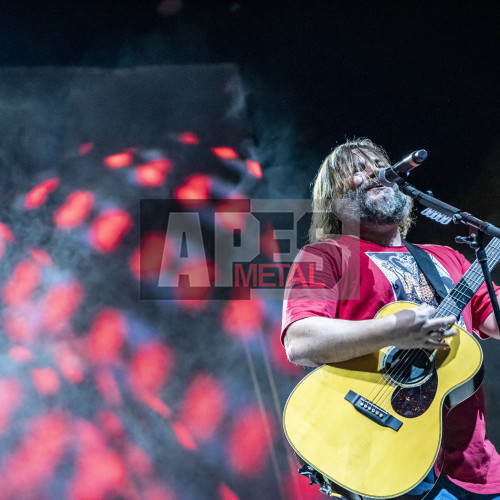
107, 336
108, 230
188, 138
119, 160
60, 303
254, 168
45, 381
225, 153
153, 173
24, 280
75, 210
203, 407
38, 195
249, 442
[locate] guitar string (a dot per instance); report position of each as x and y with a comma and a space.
410, 356
405, 361
403, 364
380, 399
473, 284
442, 310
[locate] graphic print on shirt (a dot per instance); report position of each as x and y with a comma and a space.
407, 280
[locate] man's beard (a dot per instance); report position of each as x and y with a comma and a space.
356, 207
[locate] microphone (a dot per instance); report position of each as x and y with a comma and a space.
395, 174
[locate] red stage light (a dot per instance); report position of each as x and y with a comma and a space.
6, 233
119, 160
107, 386
38, 195
100, 474
20, 354
157, 491
231, 220
203, 407
242, 318
69, 364
148, 176
85, 148
269, 244
111, 424
146, 261
41, 257
107, 335
45, 381
225, 493
156, 403
151, 366
25, 278
138, 461
254, 168
249, 442
108, 230
197, 187
60, 303
75, 210
188, 138
225, 153
18, 327
184, 436
232, 213
26, 471
153, 173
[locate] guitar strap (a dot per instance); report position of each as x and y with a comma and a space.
428, 267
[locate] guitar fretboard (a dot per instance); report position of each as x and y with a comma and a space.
468, 285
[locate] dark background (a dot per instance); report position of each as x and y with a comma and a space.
408, 75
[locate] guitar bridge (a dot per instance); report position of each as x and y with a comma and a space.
372, 411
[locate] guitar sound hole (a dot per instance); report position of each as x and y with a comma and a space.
408, 367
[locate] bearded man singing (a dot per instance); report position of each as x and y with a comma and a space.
357, 233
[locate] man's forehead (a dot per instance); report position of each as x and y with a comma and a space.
362, 154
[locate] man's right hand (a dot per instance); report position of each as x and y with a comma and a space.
419, 328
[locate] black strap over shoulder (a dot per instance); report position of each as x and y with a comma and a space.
428, 267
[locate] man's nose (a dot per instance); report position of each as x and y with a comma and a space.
365, 176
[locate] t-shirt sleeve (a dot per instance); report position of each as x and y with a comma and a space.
311, 287
480, 303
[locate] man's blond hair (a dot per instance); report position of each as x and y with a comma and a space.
334, 179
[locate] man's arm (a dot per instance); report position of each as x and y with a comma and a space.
489, 326
317, 340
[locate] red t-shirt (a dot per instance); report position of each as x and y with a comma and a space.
352, 279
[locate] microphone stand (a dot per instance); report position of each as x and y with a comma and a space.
445, 213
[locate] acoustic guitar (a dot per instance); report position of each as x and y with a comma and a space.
373, 425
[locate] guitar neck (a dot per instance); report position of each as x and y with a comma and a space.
468, 285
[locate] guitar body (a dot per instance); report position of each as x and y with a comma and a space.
384, 438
